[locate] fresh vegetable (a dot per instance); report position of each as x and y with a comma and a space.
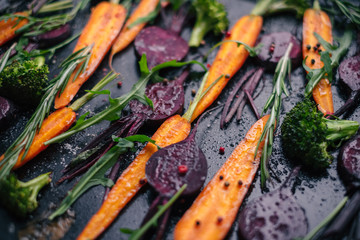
274, 215
100, 32
95, 175
24, 82
306, 135
273, 47
349, 72
249, 85
349, 162
21, 197
19, 149
350, 10
12, 25
7, 112
53, 37
128, 34
211, 16
173, 130
274, 101
226, 191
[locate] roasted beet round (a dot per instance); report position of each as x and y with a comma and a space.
349, 72
349, 161
274, 46
181, 163
274, 215
53, 37
160, 45
7, 112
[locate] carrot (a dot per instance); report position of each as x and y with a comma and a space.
173, 130
317, 21
101, 30
55, 124
230, 58
127, 35
215, 209
8, 28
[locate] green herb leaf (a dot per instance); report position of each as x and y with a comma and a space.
252, 51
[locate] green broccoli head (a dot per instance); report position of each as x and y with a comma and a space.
24, 82
306, 135
20, 197
210, 16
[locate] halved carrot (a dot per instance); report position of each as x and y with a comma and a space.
214, 210
55, 124
173, 130
127, 35
317, 21
8, 28
230, 58
101, 30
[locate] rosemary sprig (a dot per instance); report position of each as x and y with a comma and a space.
138, 233
23, 142
40, 25
330, 58
274, 101
5, 58
350, 10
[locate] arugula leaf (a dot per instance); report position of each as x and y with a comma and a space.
95, 175
330, 58
118, 104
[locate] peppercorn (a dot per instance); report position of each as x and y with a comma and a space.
308, 47
312, 61
315, 48
227, 34
318, 45
227, 76
182, 169
119, 84
197, 223
226, 184
221, 177
142, 181
193, 92
208, 65
240, 183
221, 150
319, 51
272, 47
219, 220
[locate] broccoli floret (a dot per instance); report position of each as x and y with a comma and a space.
210, 16
307, 134
20, 197
24, 82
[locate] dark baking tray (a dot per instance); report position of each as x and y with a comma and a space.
318, 195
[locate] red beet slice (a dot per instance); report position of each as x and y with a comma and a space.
52, 37
274, 46
160, 45
181, 163
274, 215
349, 161
7, 112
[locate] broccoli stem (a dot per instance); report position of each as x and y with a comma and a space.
338, 130
261, 7
35, 185
199, 31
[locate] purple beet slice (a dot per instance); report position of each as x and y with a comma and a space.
349, 161
274, 46
7, 112
181, 163
160, 45
52, 37
274, 215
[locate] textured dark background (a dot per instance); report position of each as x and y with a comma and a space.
318, 195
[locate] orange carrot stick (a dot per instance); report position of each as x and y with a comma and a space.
127, 35
101, 30
230, 58
317, 21
214, 210
8, 28
55, 124
173, 130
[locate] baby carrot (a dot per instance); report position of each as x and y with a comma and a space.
230, 58
214, 210
8, 28
173, 130
127, 35
317, 21
101, 30
55, 124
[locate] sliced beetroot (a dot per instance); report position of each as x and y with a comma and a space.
160, 45
52, 37
274, 215
167, 98
7, 112
349, 72
181, 163
349, 161
274, 46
